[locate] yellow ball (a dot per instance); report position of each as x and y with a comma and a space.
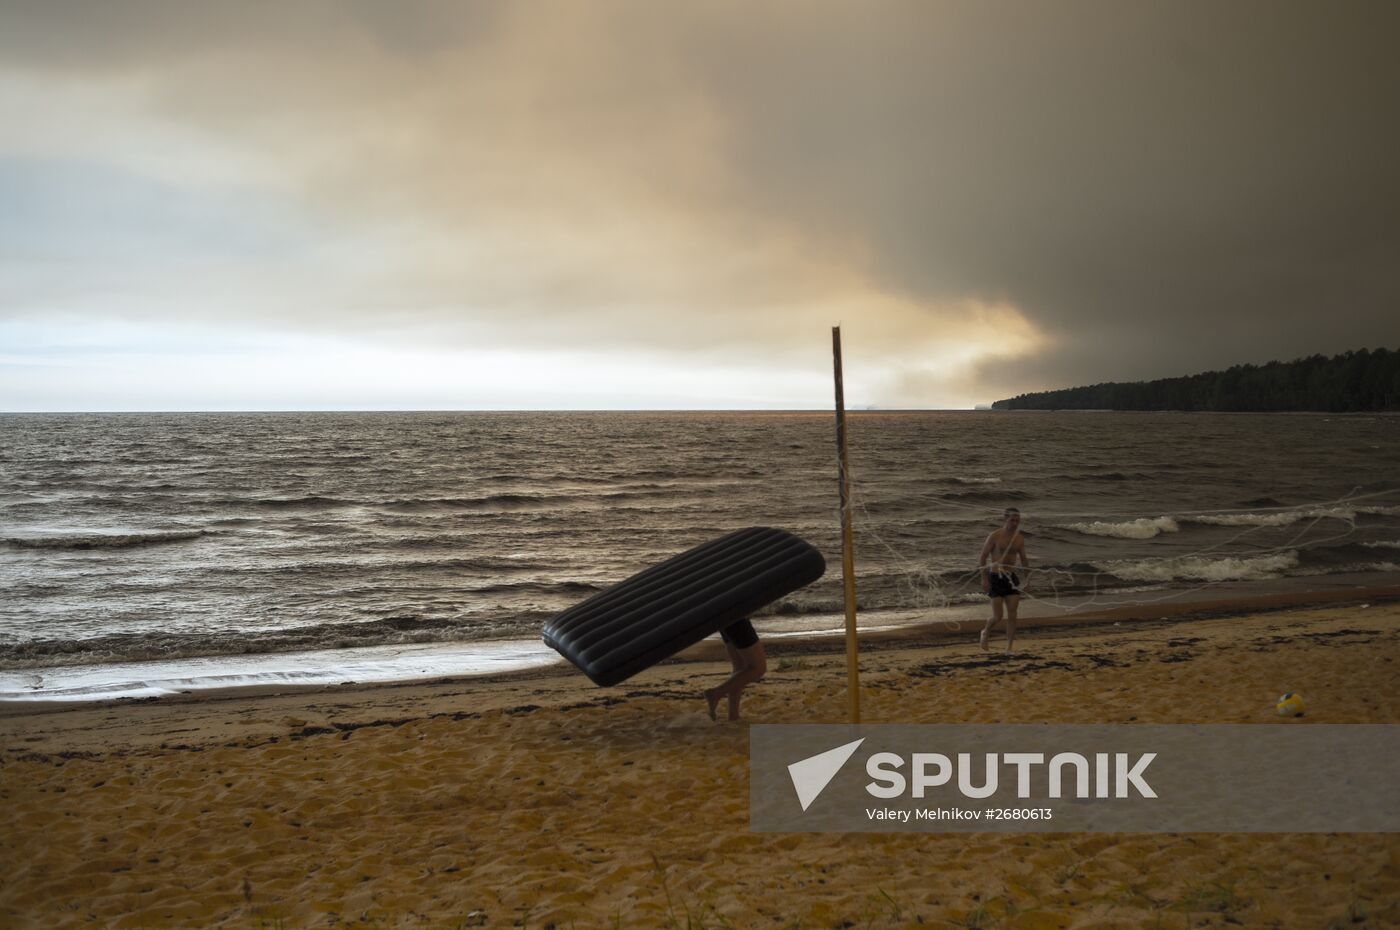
1290, 705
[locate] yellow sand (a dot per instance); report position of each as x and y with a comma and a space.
540, 800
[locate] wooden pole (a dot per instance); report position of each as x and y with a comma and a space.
848, 560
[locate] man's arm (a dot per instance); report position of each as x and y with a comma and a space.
1021, 551
982, 562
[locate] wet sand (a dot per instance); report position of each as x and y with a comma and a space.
536, 799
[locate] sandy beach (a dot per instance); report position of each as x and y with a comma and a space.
538, 800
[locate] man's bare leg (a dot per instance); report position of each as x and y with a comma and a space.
712, 695
1012, 602
991, 624
739, 682
749, 666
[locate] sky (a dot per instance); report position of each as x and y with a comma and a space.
641, 205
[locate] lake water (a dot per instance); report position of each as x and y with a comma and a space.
133, 538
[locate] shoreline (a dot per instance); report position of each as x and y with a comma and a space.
539, 661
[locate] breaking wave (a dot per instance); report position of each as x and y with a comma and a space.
1148, 527
1199, 568
1144, 528
1289, 517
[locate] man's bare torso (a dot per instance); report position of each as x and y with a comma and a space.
1003, 548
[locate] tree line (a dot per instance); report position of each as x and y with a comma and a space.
1353, 381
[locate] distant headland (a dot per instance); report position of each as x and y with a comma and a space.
1363, 380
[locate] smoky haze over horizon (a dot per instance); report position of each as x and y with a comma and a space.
627, 204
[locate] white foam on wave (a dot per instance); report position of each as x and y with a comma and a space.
1198, 568
1289, 517
1144, 528
1383, 544
325, 667
971, 597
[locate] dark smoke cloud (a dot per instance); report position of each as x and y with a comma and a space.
1155, 189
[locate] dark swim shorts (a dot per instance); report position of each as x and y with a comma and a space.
1003, 585
740, 635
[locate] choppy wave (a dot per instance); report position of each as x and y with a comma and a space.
1144, 528
374, 565
548, 588
309, 502
521, 501
1345, 558
504, 501
988, 495
1105, 476
1148, 527
1257, 568
110, 540
1201, 568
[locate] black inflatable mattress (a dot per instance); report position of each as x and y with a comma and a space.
658, 612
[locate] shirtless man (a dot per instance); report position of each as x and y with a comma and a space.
999, 554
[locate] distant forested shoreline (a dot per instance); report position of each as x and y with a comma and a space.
1353, 381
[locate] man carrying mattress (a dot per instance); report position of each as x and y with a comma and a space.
667, 608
